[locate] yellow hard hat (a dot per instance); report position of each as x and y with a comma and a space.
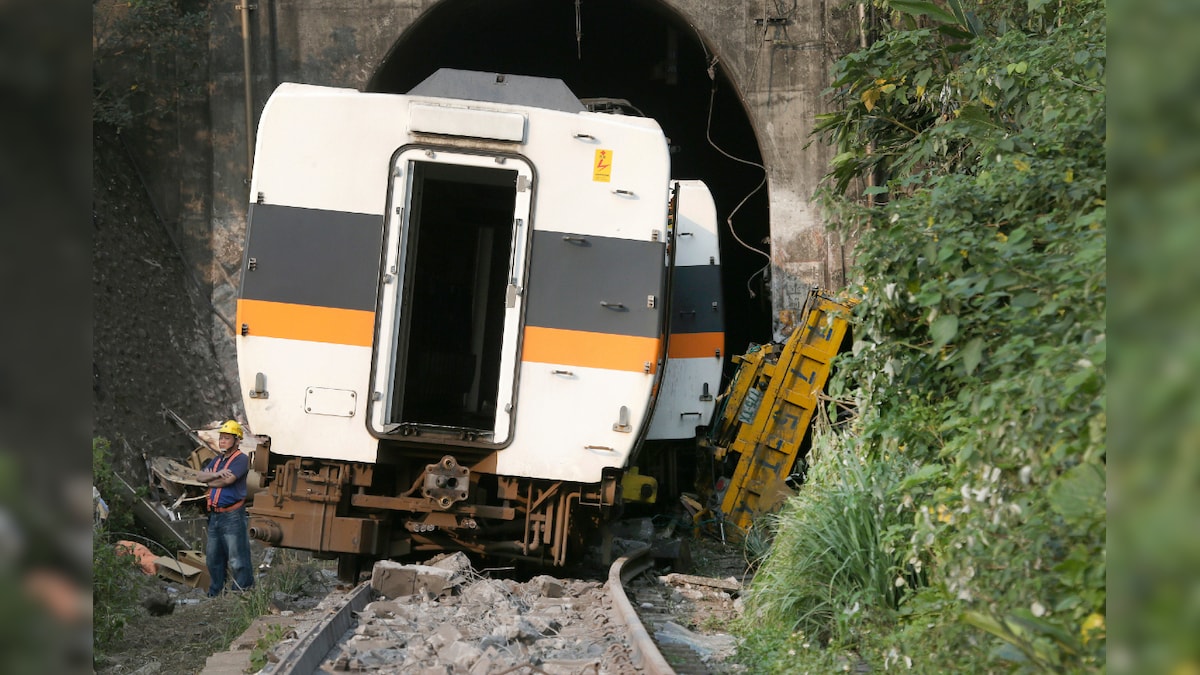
231, 427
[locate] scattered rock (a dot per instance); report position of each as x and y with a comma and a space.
570, 666
158, 604
487, 593
727, 584
385, 609
456, 562
460, 655
546, 586
445, 634
393, 580
486, 664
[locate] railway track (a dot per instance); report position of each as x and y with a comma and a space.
544, 625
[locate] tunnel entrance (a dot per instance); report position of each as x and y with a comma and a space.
638, 50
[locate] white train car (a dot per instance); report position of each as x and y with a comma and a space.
463, 312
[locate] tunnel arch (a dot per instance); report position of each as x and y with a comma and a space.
639, 50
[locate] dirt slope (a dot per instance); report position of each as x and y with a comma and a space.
150, 348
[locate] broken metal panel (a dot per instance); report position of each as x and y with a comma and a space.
165, 524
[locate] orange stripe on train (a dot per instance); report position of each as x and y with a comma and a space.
589, 350
695, 345
307, 322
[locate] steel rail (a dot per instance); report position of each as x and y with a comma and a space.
307, 653
645, 653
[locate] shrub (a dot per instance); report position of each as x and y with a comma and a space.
114, 577
980, 342
148, 56
114, 592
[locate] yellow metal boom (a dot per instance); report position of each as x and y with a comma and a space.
769, 407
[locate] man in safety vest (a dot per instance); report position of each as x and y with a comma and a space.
228, 540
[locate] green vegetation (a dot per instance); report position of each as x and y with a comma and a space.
958, 525
148, 57
287, 576
114, 577
262, 646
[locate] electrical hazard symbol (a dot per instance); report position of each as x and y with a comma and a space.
602, 169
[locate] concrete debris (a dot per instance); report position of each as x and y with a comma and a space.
709, 647
546, 586
456, 562
570, 666
387, 609
486, 664
393, 580
460, 655
487, 592
727, 584
445, 634
442, 617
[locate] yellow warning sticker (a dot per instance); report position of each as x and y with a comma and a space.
602, 170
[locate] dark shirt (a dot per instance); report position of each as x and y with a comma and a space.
239, 464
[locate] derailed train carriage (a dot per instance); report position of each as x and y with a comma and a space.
464, 312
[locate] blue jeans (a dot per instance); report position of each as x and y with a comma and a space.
229, 544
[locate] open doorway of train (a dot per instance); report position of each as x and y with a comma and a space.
459, 233
640, 51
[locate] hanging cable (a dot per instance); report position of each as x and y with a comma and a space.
578, 33
729, 219
712, 75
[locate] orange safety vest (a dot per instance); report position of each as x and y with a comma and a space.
214, 494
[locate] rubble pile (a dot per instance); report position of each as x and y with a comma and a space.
443, 617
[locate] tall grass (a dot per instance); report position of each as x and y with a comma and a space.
829, 558
288, 576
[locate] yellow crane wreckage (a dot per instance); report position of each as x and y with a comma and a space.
762, 421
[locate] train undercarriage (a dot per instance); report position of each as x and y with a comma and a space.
362, 512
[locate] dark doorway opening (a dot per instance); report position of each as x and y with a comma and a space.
638, 50
458, 240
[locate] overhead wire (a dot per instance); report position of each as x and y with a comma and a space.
712, 61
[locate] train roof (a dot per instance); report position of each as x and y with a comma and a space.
470, 85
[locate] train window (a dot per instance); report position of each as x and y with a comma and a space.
448, 359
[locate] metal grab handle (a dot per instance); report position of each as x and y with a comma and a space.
585, 137
575, 240
612, 305
598, 447
619, 191
685, 414
562, 372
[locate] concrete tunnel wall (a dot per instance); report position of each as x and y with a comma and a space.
769, 76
